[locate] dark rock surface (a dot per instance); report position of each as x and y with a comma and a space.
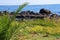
43, 13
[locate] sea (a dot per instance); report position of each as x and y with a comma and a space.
54, 8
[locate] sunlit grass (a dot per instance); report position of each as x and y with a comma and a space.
26, 27
7, 28
13, 30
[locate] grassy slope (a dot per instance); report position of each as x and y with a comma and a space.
29, 29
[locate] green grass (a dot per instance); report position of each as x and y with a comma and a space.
6, 30
16, 29
28, 29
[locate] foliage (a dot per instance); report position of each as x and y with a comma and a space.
13, 30
6, 29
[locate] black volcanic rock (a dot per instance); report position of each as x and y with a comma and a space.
1, 13
12, 13
5, 12
54, 16
45, 11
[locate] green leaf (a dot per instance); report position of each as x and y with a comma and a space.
20, 8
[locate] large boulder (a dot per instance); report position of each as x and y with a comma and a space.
1, 13
5, 12
45, 11
12, 13
54, 16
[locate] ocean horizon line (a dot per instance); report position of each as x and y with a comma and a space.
53, 7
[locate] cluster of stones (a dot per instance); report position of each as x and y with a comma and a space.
43, 13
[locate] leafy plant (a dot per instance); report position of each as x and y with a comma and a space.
6, 30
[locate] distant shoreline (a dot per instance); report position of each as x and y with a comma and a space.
54, 8
43, 13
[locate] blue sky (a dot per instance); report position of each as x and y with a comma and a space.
31, 2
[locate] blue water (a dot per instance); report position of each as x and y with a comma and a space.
8, 7
55, 8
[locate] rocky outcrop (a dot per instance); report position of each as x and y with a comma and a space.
45, 11
54, 16
0, 13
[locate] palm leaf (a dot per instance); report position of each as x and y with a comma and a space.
19, 10
21, 7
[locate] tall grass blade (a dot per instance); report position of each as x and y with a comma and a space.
13, 29
20, 8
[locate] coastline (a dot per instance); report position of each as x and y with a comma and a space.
52, 7
43, 13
